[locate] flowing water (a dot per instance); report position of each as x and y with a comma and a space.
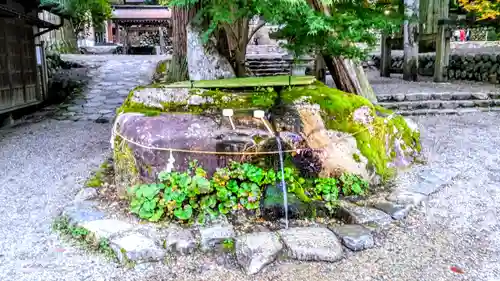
283, 184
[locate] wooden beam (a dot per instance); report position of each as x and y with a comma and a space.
410, 35
442, 46
385, 56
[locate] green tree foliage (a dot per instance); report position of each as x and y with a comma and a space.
349, 23
339, 32
81, 13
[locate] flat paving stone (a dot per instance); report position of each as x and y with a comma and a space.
137, 248
311, 244
354, 236
396, 211
181, 241
80, 212
256, 250
405, 197
106, 228
354, 214
214, 236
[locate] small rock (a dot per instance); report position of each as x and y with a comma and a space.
312, 244
354, 236
86, 194
354, 214
273, 208
399, 97
214, 236
404, 197
106, 228
81, 212
137, 248
180, 240
396, 211
256, 250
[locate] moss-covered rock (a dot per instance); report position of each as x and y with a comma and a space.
360, 138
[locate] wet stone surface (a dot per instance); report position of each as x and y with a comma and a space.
354, 237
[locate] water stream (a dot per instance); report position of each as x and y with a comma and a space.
283, 184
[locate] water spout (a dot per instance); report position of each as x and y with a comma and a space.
229, 113
260, 115
283, 184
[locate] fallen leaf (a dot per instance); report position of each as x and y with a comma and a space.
457, 270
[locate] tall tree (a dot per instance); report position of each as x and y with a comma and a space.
81, 13
336, 29
181, 16
410, 31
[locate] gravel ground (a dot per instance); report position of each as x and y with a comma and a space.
42, 166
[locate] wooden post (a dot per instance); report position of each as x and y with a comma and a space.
126, 43
442, 44
319, 69
385, 56
162, 40
410, 36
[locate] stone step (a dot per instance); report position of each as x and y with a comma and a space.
270, 70
399, 97
440, 104
469, 110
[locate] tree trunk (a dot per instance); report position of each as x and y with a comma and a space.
241, 48
178, 70
411, 23
347, 75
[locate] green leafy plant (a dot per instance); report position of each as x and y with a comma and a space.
327, 190
228, 245
190, 195
83, 237
353, 184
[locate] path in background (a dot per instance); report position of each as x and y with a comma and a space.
112, 77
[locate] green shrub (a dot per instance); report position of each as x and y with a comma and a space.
239, 186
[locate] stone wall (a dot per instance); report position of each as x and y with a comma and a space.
472, 66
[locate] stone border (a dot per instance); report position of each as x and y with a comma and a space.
483, 67
141, 243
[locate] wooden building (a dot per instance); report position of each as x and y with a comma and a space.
22, 81
136, 17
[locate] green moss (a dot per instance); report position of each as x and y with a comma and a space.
162, 66
356, 157
126, 172
262, 99
96, 180
337, 108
